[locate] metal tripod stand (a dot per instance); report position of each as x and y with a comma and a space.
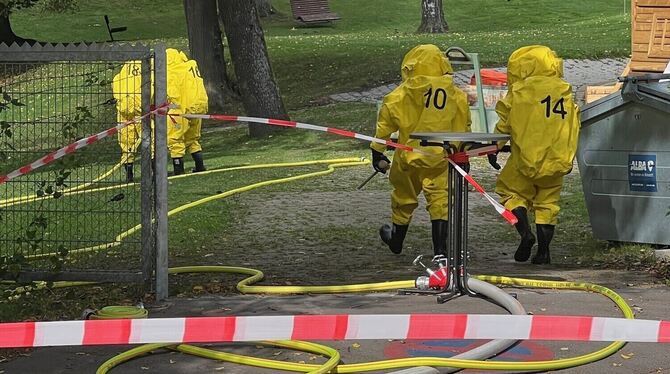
457, 229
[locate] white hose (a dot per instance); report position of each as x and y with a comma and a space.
490, 349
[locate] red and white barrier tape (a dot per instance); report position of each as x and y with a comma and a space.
331, 327
506, 214
70, 148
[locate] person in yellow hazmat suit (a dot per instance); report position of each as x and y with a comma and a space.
540, 115
186, 89
126, 89
426, 101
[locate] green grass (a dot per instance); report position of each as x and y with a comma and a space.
366, 46
363, 49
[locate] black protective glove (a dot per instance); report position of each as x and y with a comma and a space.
493, 160
377, 157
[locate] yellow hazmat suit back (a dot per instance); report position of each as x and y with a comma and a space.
540, 115
197, 103
126, 89
426, 101
186, 89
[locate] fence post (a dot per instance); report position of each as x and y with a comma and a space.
161, 175
147, 181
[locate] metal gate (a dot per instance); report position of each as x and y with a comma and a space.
77, 218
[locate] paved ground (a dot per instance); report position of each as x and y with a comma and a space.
579, 73
649, 302
316, 234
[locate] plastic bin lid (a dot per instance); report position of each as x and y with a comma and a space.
491, 77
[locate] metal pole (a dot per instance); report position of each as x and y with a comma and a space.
146, 183
451, 227
161, 175
481, 107
464, 246
458, 234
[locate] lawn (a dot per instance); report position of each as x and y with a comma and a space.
365, 47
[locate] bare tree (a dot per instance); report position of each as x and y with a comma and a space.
206, 47
259, 91
432, 17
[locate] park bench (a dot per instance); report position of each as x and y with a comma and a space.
312, 11
113, 30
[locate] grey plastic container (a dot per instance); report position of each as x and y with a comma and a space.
624, 161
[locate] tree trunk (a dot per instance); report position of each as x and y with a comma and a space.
7, 35
260, 93
432, 17
206, 47
264, 8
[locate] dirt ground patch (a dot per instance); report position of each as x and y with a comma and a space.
326, 232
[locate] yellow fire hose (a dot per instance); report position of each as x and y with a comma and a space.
331, 365
245, 286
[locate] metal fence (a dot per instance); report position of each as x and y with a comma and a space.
78, 218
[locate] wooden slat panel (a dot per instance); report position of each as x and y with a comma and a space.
640, 48
651, 10
649, 17
648, 3
638, 56
637, 66
642, 26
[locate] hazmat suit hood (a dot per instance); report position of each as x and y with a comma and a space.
173, 57
425, 59
533, 61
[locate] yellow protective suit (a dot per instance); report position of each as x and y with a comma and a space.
126, 89
540, 115
186, 89
426, 101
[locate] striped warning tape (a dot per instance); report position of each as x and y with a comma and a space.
506, 214
70, 148
331, 327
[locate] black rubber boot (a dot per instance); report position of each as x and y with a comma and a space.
439, 237
178, 165
129, 172
393, 236
199, 162
544, 235
522, 253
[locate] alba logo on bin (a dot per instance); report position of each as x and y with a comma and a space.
637, 165
642, 173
